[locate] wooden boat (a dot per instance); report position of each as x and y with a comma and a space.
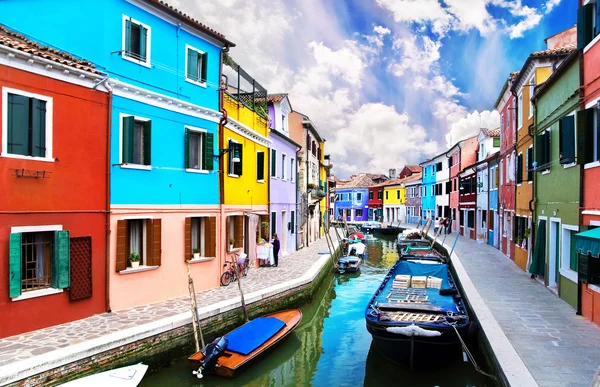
348, 264
129, 376
423, 252
227, 355
413, 323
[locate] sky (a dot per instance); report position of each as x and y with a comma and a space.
387, 82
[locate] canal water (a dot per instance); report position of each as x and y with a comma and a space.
331, 347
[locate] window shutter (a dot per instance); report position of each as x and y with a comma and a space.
211, 238
38, 126
81, 268
238, 167
597, 30
520, 168
187, 254
230, 167
204, 66
239, 231
127, 35
156, 248
143, 35
128, 123
15, 265
585, 25
293, 222
227, 230
547, 150
260, 166
61, 272
192, 64
18, 124
148, 143
585, 131
273, 163
567, 139
122, 246
539, 149
186, 149
207, 152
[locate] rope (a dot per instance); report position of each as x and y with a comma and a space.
469, 355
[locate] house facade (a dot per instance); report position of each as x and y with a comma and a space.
505, 105
394, 201
467, 201
375, 203
164, 70
53, 201
557, 180
412, 185
462, 154
489, 143
352, 203
588, 31
428, 190
493, 214
283, 170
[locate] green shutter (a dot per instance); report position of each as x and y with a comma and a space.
273, 163
18, 124
14, 264
260, 166
567, 139
547, 152
273, 223
147, 143
597, 30
128, 123
585, 136
186, 149
293, 222
38, 128
230, 167
207, 151
127, 35
143, 43
585, 25
238, 167
61, 260
573, 261
204, 65
539, 149
192, 64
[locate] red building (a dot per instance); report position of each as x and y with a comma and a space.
53, 174
409, 170
468, 148
376, 202
505, 105
589, 156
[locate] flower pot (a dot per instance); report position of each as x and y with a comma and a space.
135, 265
230, 247
196, 255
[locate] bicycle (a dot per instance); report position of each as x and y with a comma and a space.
230, 275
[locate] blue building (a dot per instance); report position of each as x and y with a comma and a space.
494, 226
163, 74
428, 188
352, 204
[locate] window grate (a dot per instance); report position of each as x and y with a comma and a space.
81, 268
36, 256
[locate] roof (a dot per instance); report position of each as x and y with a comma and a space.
307, 122
491, 132
164, 6
15, 40
362, 180
285, 138
413, 178
511, 77
276, 97
413, 168
554, 52
404, 180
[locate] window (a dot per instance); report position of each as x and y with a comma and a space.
141, 237
198, 149
201, 237
292, 169
588, 24
386, 195
273, 223
531, 94
28, 119
496, 142
519, 231
542, 150
425, 171
566, 130
587, 122
137, 141
397, 194
520, 112
195, 65
370, 195
38, 260
471, 219
530, 170
359, 213
234, 230
438, 167
260, 166
520, 168
136, 41
358, 196
379, 195
235, 158
282, 166
462, 219
314, 149
273, 163
293, 220
448, 186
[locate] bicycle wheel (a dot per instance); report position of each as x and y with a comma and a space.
246, 268
225, 278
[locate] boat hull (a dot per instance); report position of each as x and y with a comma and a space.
231, 363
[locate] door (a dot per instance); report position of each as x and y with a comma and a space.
554, 255
284, 231
509, 234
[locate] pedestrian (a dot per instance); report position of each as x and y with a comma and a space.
450, 225
276, 247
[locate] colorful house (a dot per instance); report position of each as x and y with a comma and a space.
164, 70
557, 179
428, 190
493, 225
463, 153
536, 70
352, 197
53, 200
505, 105
467, 201
588, 245
412, 184
394, 201
489, 144
283, 170
375, 202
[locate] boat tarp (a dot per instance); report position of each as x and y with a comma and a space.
538, 260
446, 303
588, 242
253, 334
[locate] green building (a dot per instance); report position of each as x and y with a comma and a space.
557, 181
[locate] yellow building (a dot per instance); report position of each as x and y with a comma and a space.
394, 201
244, 147
324, 204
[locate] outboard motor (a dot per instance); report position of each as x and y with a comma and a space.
211, 353
353, 252
342, 263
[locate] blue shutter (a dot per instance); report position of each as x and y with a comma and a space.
14, 264
61, 260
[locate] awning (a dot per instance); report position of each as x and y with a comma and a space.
588, 242
538, 261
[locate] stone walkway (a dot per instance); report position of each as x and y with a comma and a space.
558, 347
28, 345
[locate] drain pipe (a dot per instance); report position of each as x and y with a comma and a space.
221, 128
104, 82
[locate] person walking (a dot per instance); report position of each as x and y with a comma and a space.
276, 247
449, 225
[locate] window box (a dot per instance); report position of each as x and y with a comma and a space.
136, 42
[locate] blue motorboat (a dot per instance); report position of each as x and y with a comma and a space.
417, 313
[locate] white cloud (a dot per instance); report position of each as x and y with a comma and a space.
345, 62
438, 84
415, 57
550, 4
380, 30
470, 125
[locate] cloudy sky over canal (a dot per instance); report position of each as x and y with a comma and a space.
388, 82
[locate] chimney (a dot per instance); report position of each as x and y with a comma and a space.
392, 174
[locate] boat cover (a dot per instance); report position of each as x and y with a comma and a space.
253, 334
417, 269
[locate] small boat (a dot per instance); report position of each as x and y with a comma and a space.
356, 237
417, 313
370, 226
359, 249
129, 376
421, 252
348, 264
226, 355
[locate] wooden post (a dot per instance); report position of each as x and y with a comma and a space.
195, 319
239, 281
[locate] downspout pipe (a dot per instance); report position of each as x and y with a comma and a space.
104, 82
221, 128
581, 185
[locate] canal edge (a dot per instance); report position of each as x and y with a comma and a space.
128, 345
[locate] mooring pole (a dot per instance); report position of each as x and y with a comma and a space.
239, 281
455, 240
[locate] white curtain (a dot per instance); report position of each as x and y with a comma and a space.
252, 231
135, 237
40, 248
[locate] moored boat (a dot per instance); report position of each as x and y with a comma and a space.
417, 313
129, 376
228, 354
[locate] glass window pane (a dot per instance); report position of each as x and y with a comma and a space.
138, 143
194, 144
195, 233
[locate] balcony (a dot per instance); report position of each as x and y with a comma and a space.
244, 89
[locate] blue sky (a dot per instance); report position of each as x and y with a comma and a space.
388, 82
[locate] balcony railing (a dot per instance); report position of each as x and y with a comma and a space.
245, 89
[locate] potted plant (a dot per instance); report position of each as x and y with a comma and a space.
231, 242
310, 186
134, 259
196, 253
264, 230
